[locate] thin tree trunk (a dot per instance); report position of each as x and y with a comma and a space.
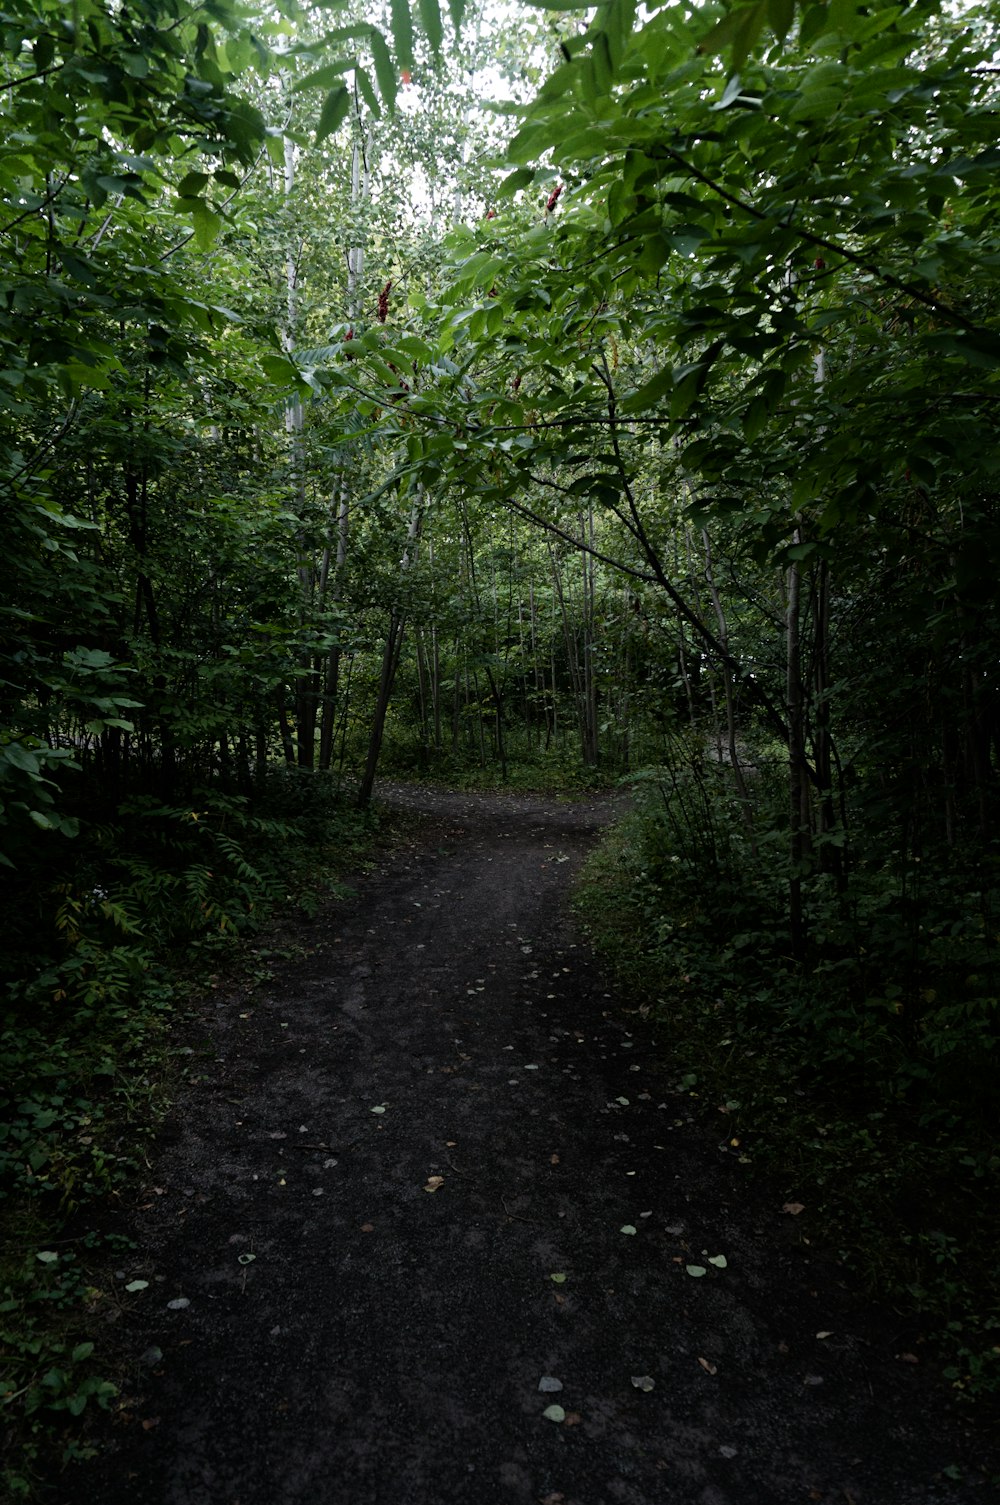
729, 691
332, 675
390, 656
798, 783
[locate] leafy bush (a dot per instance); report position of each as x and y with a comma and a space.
867, 1067
89, 988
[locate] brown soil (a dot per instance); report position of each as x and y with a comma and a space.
349, 1334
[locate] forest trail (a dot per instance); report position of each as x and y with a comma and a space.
437, 1163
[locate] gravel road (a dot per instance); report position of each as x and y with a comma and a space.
436, 1225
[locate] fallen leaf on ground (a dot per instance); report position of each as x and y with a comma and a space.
708, 1367
643, 1382
908, 1358
813, 1379
434, 1183
379, 1108
553, 1499
573, 1419
367, 1227
553, 1159
719, 1261
794, 1208
178, 1304
628, 1228
137, 1285
548, 1384
554, 1413
150, 1423
824, 1335
559, 1279
696, 1270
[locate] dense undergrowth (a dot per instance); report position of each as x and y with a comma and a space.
863, 1073
529, 764
99, 957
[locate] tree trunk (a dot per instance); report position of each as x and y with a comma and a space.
729, 692
390, 655
798, 775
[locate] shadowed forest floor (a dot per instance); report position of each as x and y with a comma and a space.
436, 1164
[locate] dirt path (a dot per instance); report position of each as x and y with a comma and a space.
320, 1328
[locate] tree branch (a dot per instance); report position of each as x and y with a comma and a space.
821, 242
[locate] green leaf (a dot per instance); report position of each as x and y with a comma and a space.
334, 112
780, 15
385, 70
731, 92
739, 29
192, 184
430, 18
696, 1270
558, 1279
367, 91
402, 32
20, 757
279, 370
755, 417
515, 181
842, 17
979, 347
619, 19
206, 222
598, 72
323, 78
651, 392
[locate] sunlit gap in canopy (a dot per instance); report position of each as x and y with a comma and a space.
501, 58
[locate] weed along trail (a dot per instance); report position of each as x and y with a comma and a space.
434, 1226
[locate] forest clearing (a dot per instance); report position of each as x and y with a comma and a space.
499, 741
